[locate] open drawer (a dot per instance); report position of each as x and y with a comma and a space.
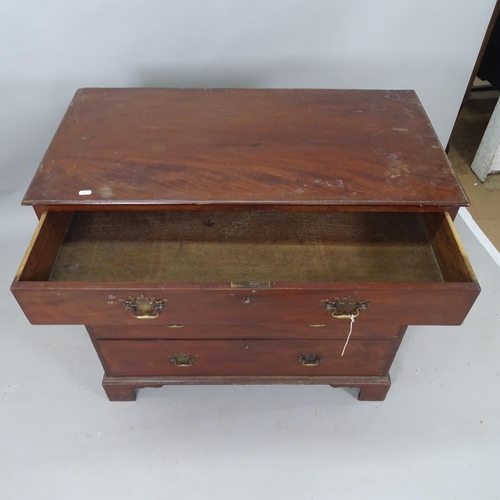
245, 266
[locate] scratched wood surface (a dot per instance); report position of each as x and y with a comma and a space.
254, 245
276, 147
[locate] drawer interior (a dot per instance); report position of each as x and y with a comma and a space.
196, 246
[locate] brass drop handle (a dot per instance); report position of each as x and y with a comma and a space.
346, 316
347, 308
144, 307
310, 359
182, 360
146, 315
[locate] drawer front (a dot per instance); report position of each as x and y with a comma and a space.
338, 329
409, 304
129, 358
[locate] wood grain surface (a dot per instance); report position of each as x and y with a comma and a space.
232, 146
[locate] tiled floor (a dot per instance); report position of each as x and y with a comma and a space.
469, 129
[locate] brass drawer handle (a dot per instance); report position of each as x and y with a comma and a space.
182, 359
310, 359
346, 315
347, 308
144, 307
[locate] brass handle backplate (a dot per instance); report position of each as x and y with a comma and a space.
182, 359
346, 308
310, 359
144, 307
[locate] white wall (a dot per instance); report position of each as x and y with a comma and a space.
49, 48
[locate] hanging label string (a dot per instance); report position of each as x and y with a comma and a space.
349, 335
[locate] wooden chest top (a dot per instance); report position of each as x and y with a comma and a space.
370, 148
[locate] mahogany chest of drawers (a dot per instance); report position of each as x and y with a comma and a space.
245, 236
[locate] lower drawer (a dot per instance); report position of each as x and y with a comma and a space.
131, 358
